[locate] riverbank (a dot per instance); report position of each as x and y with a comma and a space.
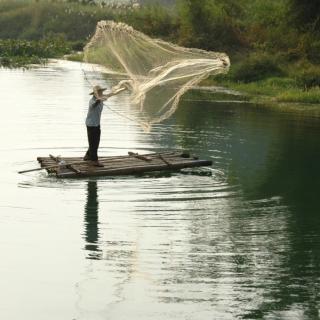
263, 78
275, 92
16, 53
272, 90
299, 87
251, 95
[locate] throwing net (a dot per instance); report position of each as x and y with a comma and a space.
158, 72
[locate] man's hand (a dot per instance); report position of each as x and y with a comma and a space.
103, 97
115, 92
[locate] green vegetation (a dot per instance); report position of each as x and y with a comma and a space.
272, 90
77, 56
26, 22
15, 53
274, 45
279, 82
76, 20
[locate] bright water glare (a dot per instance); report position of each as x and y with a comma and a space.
239, 240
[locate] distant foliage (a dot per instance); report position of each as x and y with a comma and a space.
156, 21
45, 48
22, 52
254, 68
308, 77
209, 25
284, 28
76, 21
33, 21
306, 13
265, 25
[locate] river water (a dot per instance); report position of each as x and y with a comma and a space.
239, 240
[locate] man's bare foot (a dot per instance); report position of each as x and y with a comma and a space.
97, 164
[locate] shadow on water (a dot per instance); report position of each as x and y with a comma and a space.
91, 215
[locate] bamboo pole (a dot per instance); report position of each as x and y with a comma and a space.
52, 167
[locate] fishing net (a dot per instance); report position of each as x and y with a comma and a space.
158, 72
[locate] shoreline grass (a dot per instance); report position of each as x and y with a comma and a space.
273, 90
75, 56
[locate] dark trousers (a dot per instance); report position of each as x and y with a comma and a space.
94, 134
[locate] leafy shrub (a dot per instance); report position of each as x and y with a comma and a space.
280, 82
79, 56
153, 20
15, 53
254, 68
313, 52
309, 78
208, 25
75, 20
47, 48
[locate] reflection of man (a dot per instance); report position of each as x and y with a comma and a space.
91, 220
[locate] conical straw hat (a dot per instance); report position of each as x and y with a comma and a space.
97, 91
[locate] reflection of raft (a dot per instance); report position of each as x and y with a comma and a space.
133, 163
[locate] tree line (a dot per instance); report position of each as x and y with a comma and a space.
276, 37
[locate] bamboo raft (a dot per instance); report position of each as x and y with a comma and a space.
133, 163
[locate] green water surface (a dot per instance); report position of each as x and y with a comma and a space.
239, 240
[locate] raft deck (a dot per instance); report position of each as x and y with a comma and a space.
133, 163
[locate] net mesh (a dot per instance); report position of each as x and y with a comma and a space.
158, 72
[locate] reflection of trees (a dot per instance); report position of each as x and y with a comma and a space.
291, 172
232, 134
203, 126
92, 220
274, 159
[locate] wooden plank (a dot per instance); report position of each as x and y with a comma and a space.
137, 169
71, 167
58, 159
87, 167
55, 159
169, 164
138, 156
52, 164
49, 167
150, 155
109, 165
127, 162
121, 165
106, 161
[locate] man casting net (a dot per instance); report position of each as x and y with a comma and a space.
158, 72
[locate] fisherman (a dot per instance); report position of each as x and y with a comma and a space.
93, 124
94, 116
